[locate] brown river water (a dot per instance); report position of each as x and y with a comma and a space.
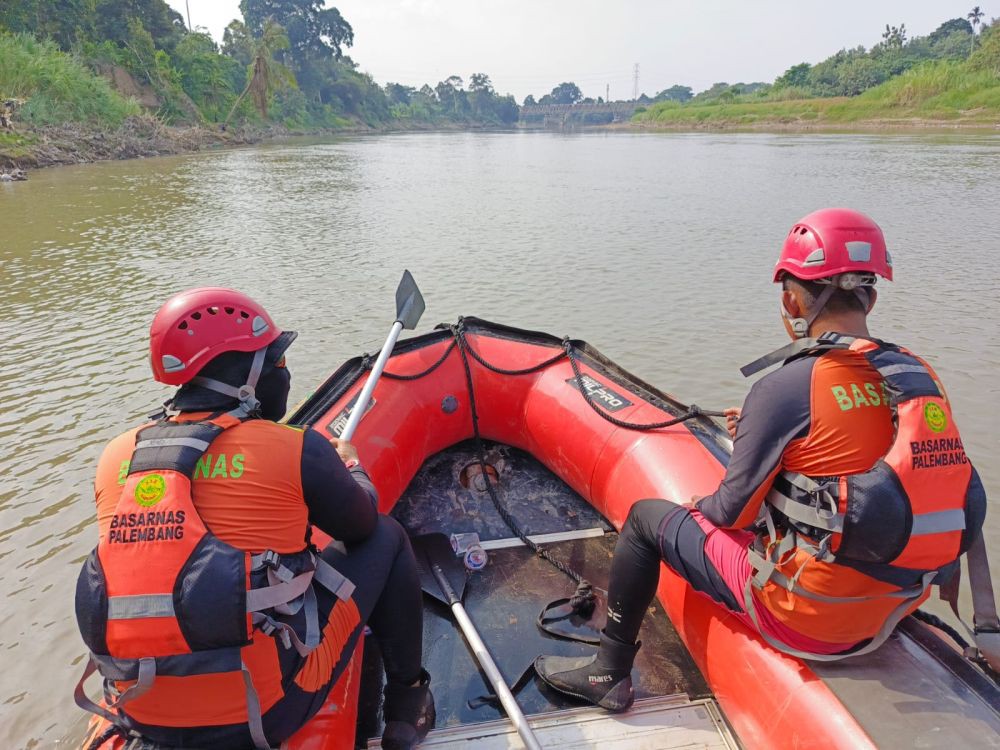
656, 248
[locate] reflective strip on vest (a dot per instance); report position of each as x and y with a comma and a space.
890, 370
201, 445
938, 522
139, 606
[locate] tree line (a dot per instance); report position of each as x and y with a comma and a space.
287, 61
849, 72
283, 61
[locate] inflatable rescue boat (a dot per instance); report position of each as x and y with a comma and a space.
479, 428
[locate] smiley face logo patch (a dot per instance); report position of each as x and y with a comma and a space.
150, 490
935, 417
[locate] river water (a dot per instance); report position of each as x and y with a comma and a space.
656, 248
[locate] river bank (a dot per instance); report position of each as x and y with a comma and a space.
946, 95
137, 137
145, 136
784, 124
142, 137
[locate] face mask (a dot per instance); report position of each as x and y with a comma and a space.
272, 392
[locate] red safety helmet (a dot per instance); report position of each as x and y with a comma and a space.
834, 241
193, 327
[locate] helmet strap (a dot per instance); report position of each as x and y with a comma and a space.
245, 393
800, 326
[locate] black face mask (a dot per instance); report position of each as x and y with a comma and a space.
272, 392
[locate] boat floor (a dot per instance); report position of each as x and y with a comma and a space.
504, 598
651, 724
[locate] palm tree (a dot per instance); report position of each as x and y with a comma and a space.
975, 15
265, 71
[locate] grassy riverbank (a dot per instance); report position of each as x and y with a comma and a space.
71, 108
937, 94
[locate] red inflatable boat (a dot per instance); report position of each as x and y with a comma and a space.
567, 460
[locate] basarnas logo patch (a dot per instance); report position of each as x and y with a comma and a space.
150, 490
935, 417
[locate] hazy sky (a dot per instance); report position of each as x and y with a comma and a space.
529, 46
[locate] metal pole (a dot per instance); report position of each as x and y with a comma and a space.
496, 679
366, 393
188, 8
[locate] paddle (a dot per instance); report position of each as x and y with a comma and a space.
409, 308
443, 577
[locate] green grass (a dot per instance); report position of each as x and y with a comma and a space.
55, 86
15, 145
967, 92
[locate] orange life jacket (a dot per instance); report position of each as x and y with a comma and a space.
161, 596
871, 543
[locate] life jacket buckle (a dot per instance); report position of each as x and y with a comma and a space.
272, 628
823, 548
268, 559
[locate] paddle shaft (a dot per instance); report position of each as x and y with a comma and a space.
361, 405
496, 679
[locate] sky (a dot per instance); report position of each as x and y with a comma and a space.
530, 46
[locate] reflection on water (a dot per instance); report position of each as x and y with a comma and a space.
655, 248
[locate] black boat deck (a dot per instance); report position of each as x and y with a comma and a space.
505, 597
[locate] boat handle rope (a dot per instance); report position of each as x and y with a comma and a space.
583, 601
569, 352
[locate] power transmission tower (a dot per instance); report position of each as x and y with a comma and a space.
188, 9
635, 83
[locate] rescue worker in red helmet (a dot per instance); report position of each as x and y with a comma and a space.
830, 524
210, 615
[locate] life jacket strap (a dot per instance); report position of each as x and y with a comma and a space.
112, 712
332, 580
290, 593
273, 596
800, 346
81, 699
985, 630
824, 516
255, 721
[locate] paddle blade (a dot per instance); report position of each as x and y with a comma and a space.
409, 302
442, 575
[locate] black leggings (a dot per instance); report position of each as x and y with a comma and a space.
389, 599
657, 531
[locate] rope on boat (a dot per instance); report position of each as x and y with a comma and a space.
499, 370
692, 411
584, 599
569, 352
937, 622
367, 362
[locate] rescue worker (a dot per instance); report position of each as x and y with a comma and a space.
211, 616
774, 544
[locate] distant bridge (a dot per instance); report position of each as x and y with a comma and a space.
560, 115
